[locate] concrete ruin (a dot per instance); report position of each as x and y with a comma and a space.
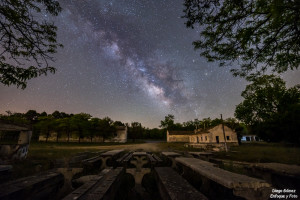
118, 174
15, 140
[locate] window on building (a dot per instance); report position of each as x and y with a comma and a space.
201, 138
205, 138
227, 138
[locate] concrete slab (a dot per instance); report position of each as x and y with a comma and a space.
139, 153
112, 152
240, 185
173, 186
201, 153
170, 153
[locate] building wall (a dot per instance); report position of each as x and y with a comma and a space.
210, 137
218, 131
177, 138
120, 136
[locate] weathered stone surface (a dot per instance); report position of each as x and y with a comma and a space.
40, 186
84, 179
112, 152
170, 153
223, 177
139, 153
241, 185
201, 153
173, 186
103, 186
5, 168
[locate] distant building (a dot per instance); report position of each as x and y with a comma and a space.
250, 138
210, 138
119, 136
179, 136
215, 136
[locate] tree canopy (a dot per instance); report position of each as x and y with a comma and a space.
270, 109
256, 35
27, 42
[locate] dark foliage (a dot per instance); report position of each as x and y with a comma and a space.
257, 35
26, 42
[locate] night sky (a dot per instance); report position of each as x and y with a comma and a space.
131, 60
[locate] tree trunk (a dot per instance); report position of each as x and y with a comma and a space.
47, 136
68, 133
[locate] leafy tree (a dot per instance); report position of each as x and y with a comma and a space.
135, 130
31, 115
189, 125
43, 114
270, 109
79, 122
257, 35
59, 115
95, 127
16, 118
118, 123
215, 122
45, 125
107, 128
206, 123
26, 41
168, 123
65, 125
262, 99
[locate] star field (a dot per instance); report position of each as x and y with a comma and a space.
131, 61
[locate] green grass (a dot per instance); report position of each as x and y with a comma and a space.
42, 155
262, 153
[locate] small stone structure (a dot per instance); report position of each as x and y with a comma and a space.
15, 140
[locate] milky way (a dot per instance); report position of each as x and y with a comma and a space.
131, 61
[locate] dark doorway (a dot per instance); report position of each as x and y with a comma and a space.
217, 139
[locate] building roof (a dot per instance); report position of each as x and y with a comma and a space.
202, 131
7, 126
181, 132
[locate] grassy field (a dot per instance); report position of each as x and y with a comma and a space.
262, 153
255, 152
42, 156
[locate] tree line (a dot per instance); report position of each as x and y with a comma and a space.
80, 125
83, 125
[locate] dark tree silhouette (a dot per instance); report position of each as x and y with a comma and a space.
26, 42
257, 35
270, 109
